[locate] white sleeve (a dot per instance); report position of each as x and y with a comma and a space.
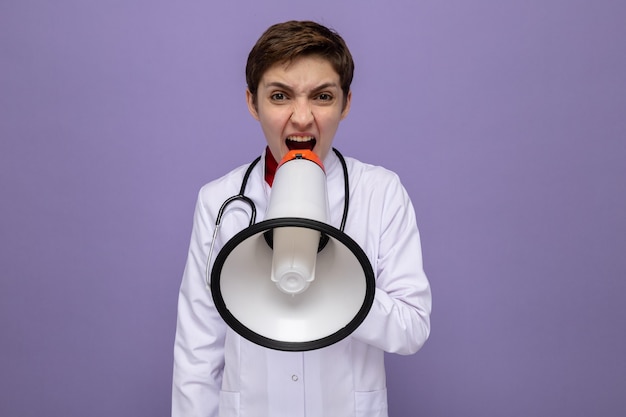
200, 332
399, 321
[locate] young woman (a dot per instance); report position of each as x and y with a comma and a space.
299, 76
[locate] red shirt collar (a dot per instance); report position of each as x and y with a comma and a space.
270, 166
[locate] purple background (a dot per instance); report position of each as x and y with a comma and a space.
505, 120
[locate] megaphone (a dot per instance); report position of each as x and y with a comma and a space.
293, 282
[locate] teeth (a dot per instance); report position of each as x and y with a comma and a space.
300, 138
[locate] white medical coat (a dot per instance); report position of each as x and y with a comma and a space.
219, 373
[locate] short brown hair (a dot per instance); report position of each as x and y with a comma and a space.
284, 42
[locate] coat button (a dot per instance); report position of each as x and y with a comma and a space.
294, 378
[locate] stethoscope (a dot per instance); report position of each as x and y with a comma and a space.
242, 197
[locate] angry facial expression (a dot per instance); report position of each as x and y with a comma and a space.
299, 105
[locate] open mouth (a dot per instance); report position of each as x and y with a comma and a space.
300, 143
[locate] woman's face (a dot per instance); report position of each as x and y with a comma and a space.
299, 105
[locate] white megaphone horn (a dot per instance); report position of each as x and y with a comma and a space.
293, 282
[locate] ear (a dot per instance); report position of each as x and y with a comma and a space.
346, 105
250, 100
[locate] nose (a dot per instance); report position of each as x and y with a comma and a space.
302, 114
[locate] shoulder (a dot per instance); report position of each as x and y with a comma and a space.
229, 180
371, 176
230, 183
380, 187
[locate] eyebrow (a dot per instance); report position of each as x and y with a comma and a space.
288, 88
